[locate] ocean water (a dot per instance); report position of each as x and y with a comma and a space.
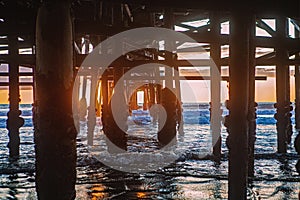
190, 177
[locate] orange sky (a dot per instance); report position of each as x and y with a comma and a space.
265, 92
26, 96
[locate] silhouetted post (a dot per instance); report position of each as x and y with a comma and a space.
158, 93
169, 23
297, 104
83, 101
167, 133
252, 103
179, 116
297, 87
152, 94
104, 92
76, 105
133, 105
14, 121
146, 97
282, 84
91, 119
168, 98
116, 130
55, 134
238, 109
216, 114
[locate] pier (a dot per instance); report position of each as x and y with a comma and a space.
60, 35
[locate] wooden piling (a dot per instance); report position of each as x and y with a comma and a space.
116, 130
297, 103
238, 109
14, 121
104, 92
167, 133
282, 85
76, 104
169, 23
179, 116
146, 97
91, 119
297, 87
216, 115
55, 134
252, 103
151, 94
83, 101
119, 92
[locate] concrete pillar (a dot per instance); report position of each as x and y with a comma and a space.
252, 103
14, 121
215, 73
55, 134
238, 108
282, 86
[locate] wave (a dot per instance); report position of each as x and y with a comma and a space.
193, 113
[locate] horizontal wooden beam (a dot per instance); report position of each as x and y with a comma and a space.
22, 59
195, 78
24, 29
97, 28
187, 63
291, 44
5, 84
290, 8
261, 24
20, 74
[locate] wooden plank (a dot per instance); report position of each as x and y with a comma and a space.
20, 74
257, 6
28, 59
2, 84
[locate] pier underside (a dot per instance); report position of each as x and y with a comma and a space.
126, 61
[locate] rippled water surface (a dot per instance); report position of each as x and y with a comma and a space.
190, 177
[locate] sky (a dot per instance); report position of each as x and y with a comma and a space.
196, 90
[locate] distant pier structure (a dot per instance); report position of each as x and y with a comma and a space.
52, 38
